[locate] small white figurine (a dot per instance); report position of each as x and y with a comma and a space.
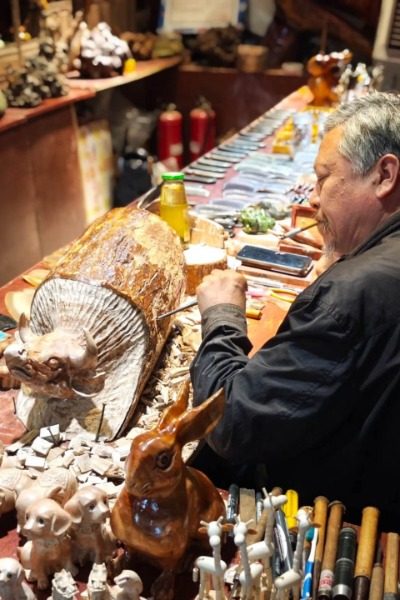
250, 574
91, 533
63, 586
97, 586
211, 568
128, 586
48, 548
12, 581
263, 551
291, 579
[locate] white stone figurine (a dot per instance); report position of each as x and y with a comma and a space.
97, 586
291, 579
211, 568
128, 586
63, 586
12, 581
250, 573
263, 551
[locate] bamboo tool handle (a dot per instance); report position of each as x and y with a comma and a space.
320, 517
391, 567
336, 511
376, 586
366, 552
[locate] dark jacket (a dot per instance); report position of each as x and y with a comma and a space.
319, 404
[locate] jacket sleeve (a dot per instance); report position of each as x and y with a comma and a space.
290, 396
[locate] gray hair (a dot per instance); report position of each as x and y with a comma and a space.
371, 128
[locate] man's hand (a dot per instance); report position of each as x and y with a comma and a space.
222, 287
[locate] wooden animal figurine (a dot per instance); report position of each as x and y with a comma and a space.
212, 568
158, 512
12, 482
48, 548
57, 483
128, 586
63, 586
325, 71
12, 581
92, 538
94, 338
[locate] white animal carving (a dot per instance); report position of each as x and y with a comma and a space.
211, 568
12, 581
250, 574
128, 586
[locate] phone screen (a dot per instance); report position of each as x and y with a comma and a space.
285, 262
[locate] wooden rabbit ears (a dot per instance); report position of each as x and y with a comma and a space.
195, 423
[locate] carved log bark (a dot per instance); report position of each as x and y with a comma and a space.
104, 295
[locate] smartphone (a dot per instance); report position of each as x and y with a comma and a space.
273, 260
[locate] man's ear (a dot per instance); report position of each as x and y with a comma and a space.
387, 173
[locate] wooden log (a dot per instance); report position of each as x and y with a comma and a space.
94, 336
200, 261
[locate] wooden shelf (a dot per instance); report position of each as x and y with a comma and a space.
144, 69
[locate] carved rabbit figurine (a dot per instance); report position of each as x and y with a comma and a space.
158, 512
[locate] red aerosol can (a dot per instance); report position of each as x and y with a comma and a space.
202, 129
169, 135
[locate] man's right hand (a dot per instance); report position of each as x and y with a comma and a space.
222, 287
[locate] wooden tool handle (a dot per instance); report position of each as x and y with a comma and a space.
376, 586
320, 517
336, 511
391, 563
367, 542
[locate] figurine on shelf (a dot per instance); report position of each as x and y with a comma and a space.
158, 512
91, 533
325, 71
12, 581
48, 548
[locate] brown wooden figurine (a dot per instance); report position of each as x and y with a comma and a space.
325, 71
158, 512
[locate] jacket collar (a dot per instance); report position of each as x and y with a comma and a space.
390, 226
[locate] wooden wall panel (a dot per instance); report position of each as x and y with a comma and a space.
56, 178
20, 245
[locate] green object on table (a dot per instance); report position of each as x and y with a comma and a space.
256, 220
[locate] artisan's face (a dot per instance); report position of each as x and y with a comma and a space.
347, 208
